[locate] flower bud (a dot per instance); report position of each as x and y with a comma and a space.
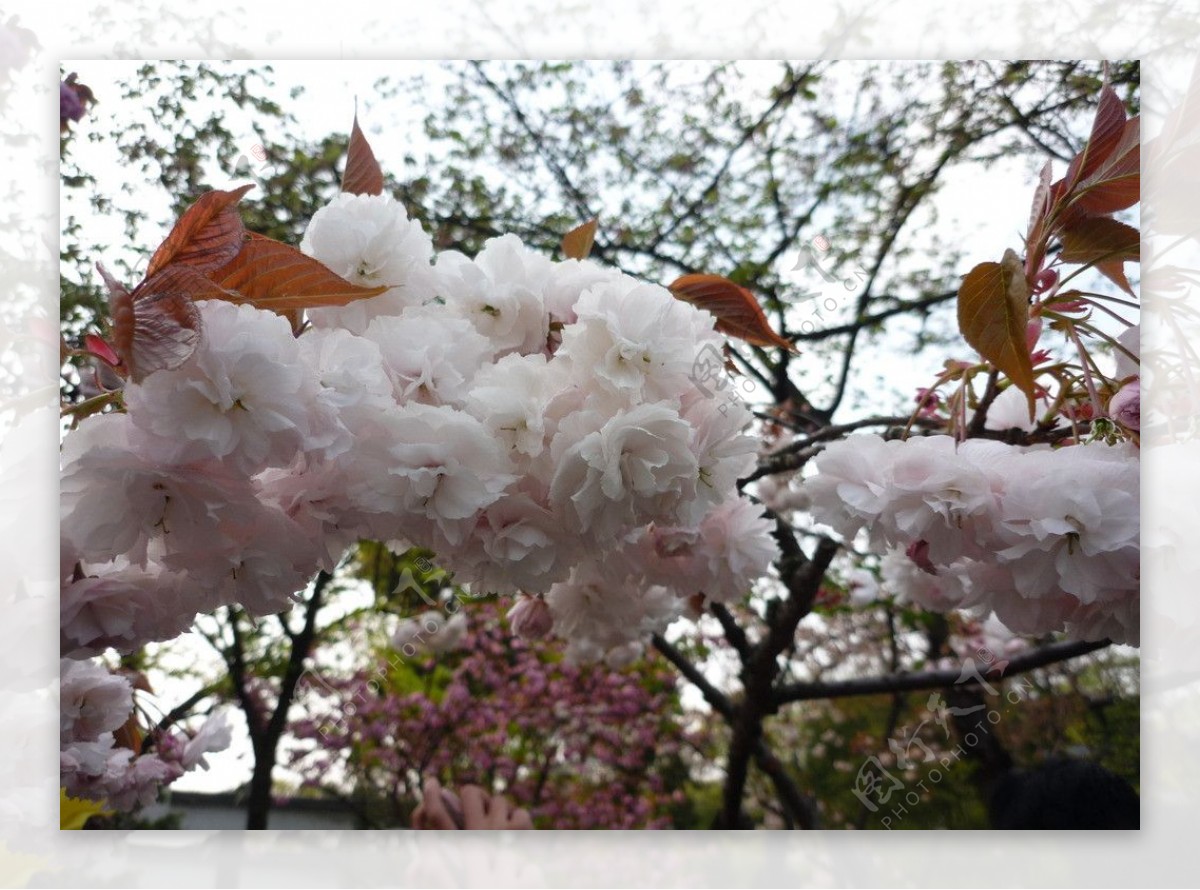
1126, 406
1045, 280
530, 618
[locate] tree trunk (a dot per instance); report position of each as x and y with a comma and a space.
258, 805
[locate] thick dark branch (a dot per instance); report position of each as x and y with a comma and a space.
796, 454
940, 679
266, 743
791, 558
301, 646
799, 808
836, 431
715, 697
287, 631
795, 804
803, 586
802, 576
733, 631
979, 419
235, 660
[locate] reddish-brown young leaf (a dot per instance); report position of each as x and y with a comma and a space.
738, 313
157, 326
129, 735
363, 174
272, 275
1104, 242
1036, 240
206, 237
993, 311
1041, 200
1107, 130
1115, 184
577, 243
99, 347
138, 680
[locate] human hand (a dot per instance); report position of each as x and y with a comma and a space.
441, 809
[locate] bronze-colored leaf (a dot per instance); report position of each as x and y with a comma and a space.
272, 275
1041, 201
363, 174
993, 311
206, 237
1104, 184
1105, 243
1107, 129
139, 680
738, 313
129, 735
1100, 238
577, 243
157, 326
1115, 184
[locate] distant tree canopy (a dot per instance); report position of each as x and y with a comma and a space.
725, 169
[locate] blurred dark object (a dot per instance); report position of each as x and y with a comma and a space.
1064, 792
73, 100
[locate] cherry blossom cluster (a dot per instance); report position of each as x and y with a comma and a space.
1047, 538
532, 422
94, 705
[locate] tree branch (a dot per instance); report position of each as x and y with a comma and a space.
733, 631
715, 697
802, 576
868, 320
783, 97
940, 679
180, 711
560, 174
798, 807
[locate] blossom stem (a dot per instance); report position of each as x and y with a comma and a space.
1085, 363
91, 406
